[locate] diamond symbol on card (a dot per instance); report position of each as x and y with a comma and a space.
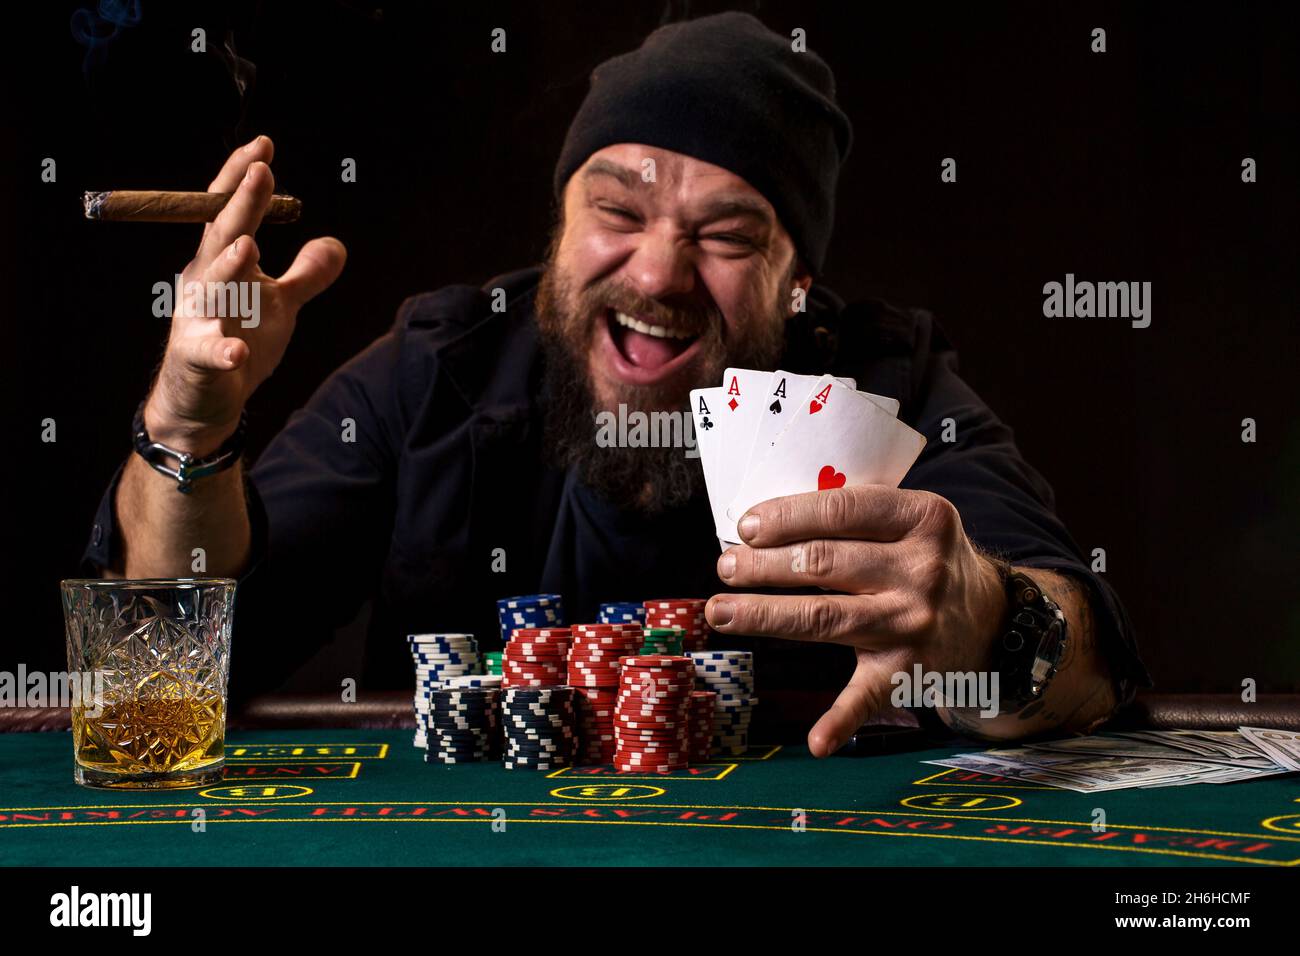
732, 404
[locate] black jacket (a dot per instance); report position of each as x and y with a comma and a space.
447, 467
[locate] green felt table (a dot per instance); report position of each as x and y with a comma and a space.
366, 797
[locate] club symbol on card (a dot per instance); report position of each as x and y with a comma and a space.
775, 407
705, 423
828, 477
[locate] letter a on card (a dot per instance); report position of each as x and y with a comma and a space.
839, 438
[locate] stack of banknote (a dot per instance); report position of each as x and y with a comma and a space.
1142, 758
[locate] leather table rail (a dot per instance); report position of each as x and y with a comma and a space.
1208, 712
392, 710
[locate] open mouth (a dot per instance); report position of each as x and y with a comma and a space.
645, 351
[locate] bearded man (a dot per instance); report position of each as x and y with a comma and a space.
455, 460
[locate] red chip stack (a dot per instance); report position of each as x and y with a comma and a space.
686, 613
593, 709
536, 657
700, 725
651, 717
594, 676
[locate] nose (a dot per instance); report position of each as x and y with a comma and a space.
661, 267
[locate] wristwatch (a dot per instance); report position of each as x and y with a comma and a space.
1031, 644
187, 466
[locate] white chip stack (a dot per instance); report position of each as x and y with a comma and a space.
438, 657
730, 675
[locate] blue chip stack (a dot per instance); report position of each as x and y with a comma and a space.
540, 729
622, 612
730, 675
438, 657
529, 610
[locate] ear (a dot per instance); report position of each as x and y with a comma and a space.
801, 276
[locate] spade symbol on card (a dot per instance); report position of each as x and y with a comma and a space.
775, 407
828, 477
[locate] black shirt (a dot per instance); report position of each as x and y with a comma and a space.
599, 552
446, 476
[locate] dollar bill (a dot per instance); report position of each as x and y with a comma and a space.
1282, 745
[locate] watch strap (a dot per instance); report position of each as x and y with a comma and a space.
187, 467
1032, 641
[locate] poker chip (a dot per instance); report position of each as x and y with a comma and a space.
522, 733
538, 727
684, 613
593, 671
530, 600
622, 612
439, 657
529, 611
639, 689
729, 676
536, 657
634, 719
665, 701
668, 730
595, 708
663, 640
462, 724
629, 766
700, 725
473, 680
651, 718
667, 663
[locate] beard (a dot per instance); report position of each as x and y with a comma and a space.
647, 479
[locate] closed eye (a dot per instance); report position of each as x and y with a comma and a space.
731, 239
619, 212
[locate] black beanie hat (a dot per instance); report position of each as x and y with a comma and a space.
727, 90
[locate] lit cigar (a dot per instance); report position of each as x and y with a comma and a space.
156, 205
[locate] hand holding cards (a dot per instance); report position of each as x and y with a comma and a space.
763, 435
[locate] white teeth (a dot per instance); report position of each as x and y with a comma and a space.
645, 328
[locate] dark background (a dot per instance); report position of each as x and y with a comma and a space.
1123, 166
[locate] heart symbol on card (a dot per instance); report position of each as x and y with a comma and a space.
828, 477
814, 407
